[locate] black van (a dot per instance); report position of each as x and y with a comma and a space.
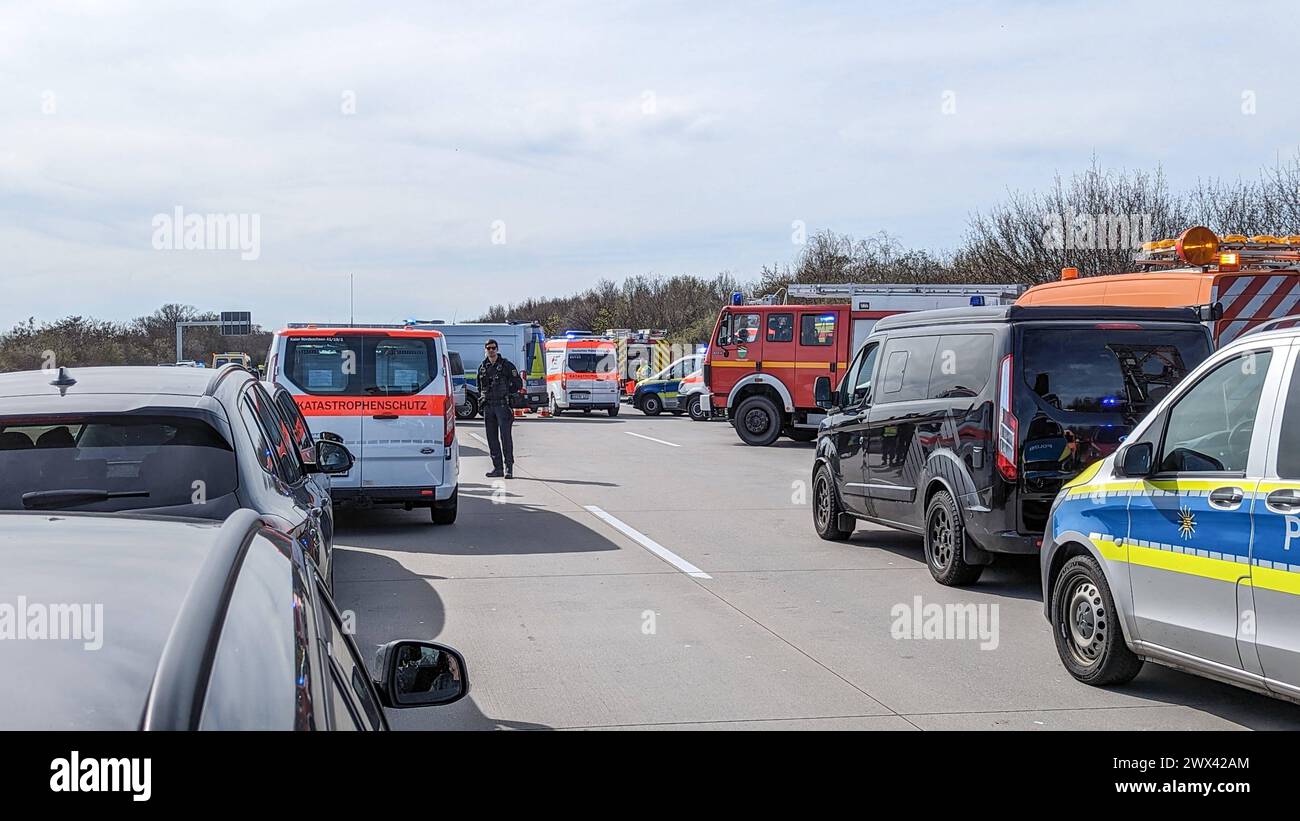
962, 424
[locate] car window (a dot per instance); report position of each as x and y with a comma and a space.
738, 329
252, 684
1108, 370
456, 364
142, 460
299, 430
962, 366
351, 695
1288, 452
361, 365
1210, 427
856, 385
283, 449
780, 327
402, 365
907, 368
817, 329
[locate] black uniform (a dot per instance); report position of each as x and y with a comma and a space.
495, 384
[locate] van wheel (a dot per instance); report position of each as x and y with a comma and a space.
827, 507
651, 406
469, 409
945, 536
758, 422
445, 514
801, 434
613, 411
1085, 623
555, 409
695, 408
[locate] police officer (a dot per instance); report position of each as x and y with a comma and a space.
498, 378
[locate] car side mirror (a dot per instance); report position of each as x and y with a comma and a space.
1137, 459
333, 458
420, 674
823, 396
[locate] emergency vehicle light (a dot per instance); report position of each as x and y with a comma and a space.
977, 302
737, 298
1229, 261
1197, 246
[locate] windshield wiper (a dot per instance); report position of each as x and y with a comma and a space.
42, 499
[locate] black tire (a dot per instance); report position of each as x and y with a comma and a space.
652, 405
445, 514
555, 409
1085, 623
586, 410
695, 409
468, 410
758, 421
802, 434
945, 536
827, 507
613, 411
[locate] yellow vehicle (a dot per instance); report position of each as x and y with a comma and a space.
237, 358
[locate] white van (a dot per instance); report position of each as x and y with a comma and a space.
387, 392
582, 374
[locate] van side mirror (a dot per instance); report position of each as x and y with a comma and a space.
823, 396
1137, 459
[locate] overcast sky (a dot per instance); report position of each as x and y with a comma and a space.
457, 155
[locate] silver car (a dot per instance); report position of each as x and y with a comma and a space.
1183, 546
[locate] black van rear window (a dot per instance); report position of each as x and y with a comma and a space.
1124, 370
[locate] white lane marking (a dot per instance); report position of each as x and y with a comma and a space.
480, 438
649, 544
652, 439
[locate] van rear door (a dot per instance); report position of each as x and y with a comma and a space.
1249, 299
1081, 388
321, 372
405, 418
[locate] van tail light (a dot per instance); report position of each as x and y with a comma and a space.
1008, 433
449, 426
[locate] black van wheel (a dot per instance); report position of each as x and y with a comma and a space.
758, 422
1085, 623
444, 513
469, 409
827, 507
695, 408
651, 406
945, 536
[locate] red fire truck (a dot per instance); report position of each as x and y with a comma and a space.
764, 357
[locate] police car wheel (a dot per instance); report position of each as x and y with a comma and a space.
1086, 626
758, 422
468, 410
827, 507
696, 409
651, 406
945, 536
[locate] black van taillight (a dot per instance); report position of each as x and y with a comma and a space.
1008, 428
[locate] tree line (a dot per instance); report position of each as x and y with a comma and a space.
1025, 239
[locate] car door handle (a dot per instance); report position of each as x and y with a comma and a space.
1284, 501
385, 416
1227, 498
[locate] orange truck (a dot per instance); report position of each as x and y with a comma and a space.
1236, 282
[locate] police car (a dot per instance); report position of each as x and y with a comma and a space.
1183, 547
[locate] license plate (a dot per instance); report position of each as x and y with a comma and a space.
579, 394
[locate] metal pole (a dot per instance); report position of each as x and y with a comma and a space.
180, 329
352, 313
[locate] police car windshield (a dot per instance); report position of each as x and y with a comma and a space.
1112, 370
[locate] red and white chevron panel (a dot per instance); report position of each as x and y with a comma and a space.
1249, 299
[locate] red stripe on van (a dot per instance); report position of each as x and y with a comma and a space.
371, 405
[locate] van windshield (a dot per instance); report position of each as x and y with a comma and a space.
1120, 370
598, 361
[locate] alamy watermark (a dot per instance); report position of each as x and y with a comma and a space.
23, 620
951, 621
1087, 232
179, 231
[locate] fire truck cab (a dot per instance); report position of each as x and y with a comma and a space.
1235, 282
764, 358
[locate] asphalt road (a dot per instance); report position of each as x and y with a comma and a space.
702, 598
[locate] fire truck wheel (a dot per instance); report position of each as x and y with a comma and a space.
826, 507
758, 421
651, 405
945, 536
696, 409
802, 434
468, 410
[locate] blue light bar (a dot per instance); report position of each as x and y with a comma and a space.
977, 302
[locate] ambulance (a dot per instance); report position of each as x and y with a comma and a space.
764, 358
387, 393
582, 374
1236, 282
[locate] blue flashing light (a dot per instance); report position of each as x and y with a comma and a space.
977, 302
1110, 401
737, 298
